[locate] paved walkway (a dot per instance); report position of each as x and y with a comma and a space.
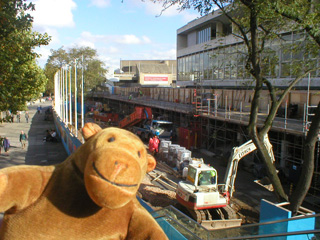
37, 152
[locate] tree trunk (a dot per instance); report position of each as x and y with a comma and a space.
271, 170
305, 178
253, 130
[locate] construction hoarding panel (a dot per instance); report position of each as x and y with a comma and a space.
176, 96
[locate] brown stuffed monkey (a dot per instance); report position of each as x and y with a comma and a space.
91, 195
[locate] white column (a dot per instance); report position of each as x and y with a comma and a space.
67, 99
61, 94
82, 98
56, 92
63, 97
75, 98
70, 96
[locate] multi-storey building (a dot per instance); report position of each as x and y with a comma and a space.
210, 55
208, 49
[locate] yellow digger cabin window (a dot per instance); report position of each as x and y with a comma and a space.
207, 177
192, 172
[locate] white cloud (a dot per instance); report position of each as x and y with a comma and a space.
110, 62
56, 13
128, 39
188, 16
156, 54
44, 55
55, 39
145, 39
100, 3
157, 9
84, 43
169, 54
113, 50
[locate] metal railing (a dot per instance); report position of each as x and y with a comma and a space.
304, 227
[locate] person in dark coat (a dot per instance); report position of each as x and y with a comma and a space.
6, 144
27, 117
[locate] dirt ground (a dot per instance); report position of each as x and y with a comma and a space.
246, 198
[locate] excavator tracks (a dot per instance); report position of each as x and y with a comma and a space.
229, 212
200, 215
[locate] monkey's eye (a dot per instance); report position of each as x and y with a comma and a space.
111, 139
139, 154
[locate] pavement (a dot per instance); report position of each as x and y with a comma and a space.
37, 152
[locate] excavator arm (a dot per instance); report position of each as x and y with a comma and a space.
237, 154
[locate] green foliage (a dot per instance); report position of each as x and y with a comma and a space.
304, 13
86, 59
20, 79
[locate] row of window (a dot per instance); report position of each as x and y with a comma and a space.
209, 32
204, 35
283, 58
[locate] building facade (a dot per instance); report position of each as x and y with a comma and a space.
208, 49
148, 72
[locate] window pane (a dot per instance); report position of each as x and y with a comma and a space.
285, 70
201, 64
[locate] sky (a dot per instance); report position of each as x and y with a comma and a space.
117, 29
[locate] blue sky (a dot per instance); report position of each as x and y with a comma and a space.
128, 29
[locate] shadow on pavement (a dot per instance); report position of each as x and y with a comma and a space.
40, 152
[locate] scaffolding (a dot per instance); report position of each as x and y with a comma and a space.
222, 127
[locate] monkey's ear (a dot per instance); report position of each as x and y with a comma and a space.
89, 130
151, 163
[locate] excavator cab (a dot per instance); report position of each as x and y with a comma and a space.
207, 177
202, 175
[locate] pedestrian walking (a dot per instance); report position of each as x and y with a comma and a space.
12, 117
27, 117
18, 116
1, 143
23, 139
6, 144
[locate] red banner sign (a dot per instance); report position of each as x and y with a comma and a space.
156, 78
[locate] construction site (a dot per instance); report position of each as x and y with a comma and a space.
208, 177
215, 120
199, 107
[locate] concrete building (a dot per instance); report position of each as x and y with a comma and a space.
207, 49
147, 72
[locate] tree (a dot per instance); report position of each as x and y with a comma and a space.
259, 23
57, 60
20, 78
306, 15
86, 59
